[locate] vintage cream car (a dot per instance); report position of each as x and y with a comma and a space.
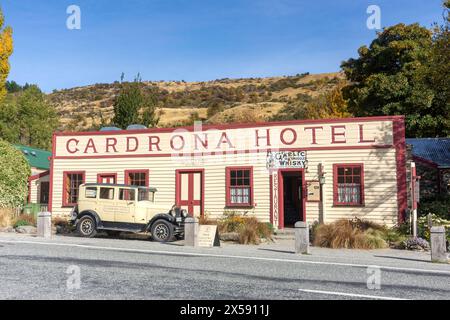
118, 208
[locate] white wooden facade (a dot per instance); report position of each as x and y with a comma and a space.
204, 168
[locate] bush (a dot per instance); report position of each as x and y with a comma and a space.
439, 207
24, 220
250, 230
350, 234
14, 173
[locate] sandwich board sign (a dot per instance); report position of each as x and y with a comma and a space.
208, 236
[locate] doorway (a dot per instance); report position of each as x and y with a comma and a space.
189, 192
291, 197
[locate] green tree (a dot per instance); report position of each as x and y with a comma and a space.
388, 79
134, 105
28, 118
6, 49
14, 173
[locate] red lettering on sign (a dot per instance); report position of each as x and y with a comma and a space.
136, 144
152, 143
335, 134
267, 137
111, 142
313, 133
69, 150
224, 139
172, 142
204, 142
294, 136
361, 135
90, 145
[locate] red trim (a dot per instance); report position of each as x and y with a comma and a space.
425, 162
34, 177
100, 176
271, 197
221, 153
39, 175
281, 192
335, 185
228, 202
145, 171
400, 151
233, 126
306, 190
52, 160
64, 193
178, 201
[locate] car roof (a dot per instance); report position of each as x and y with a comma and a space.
118, 185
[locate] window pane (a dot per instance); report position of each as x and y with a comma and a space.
126, 194
107, 193
91, 193
349, 185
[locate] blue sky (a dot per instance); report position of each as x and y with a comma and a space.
192, 39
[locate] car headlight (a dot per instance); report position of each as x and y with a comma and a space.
73, 214
173, 212
184, 213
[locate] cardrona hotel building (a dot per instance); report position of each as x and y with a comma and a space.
280, 172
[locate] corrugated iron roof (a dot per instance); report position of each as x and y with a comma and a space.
436, 150
37, 158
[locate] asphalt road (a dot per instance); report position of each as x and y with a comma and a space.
33, 268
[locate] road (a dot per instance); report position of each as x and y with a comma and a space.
34, 268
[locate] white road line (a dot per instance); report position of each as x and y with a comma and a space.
225, 256
354, 295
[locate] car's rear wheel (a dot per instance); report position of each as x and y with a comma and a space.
162, 231
86, 227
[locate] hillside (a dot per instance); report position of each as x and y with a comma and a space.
180, 103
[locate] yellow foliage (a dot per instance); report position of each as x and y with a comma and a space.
329, 105
6, 49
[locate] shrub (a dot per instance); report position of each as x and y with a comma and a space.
250, 230
439, 207
24, 220
14, 173
350, 234
416, 244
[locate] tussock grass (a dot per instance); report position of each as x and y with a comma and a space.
350, 234
6, 217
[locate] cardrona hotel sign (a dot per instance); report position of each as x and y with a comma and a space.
207, 140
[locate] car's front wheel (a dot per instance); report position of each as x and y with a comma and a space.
162, 231
86, 227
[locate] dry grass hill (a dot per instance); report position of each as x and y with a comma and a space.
180, 103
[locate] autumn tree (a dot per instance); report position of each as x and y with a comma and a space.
6, 49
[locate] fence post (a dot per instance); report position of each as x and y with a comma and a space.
44, 224
190, 231
438, 245
301, 237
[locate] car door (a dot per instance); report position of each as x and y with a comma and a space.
106, 204
125, 206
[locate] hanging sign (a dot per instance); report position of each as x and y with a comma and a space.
286, 159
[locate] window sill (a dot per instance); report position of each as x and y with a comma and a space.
348, 205
239, 206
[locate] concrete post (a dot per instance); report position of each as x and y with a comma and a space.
190, 231
44, 225
301, 237
438, 245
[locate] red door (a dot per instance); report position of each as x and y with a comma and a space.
189, 191
106, 178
